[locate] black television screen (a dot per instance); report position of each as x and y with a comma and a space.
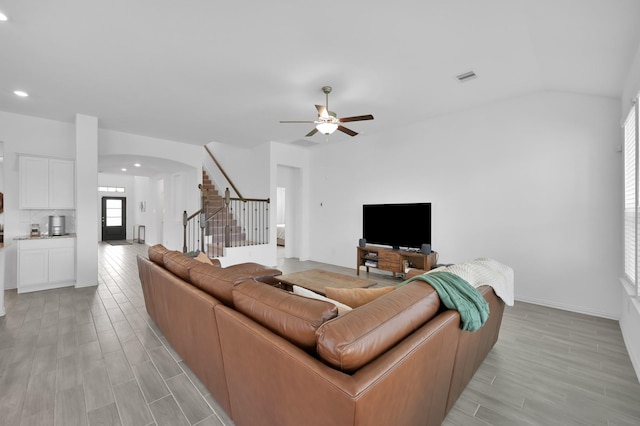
397, 225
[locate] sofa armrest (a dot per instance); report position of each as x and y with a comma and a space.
414, 271
215, 262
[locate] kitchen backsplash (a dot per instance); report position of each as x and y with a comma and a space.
41, 217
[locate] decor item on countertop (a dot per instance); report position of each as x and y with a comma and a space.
57, 225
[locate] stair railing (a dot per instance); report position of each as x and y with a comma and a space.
194, 226
239, 222
226, 176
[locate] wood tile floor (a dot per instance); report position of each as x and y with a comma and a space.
93, 357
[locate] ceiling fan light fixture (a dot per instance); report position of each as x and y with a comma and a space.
326, 128
328, 122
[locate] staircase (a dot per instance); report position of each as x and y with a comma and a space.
224, 222
213, 198
221, 219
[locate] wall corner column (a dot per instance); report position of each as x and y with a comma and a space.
86, 200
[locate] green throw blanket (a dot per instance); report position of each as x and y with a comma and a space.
456, 293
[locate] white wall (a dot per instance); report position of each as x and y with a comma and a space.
246, 167
175, 200
144, 194
86, 181
530, 182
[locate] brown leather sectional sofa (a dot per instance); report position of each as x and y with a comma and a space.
270, 357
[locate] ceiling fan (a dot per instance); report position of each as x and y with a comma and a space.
328, 122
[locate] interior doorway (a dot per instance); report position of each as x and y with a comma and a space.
114, 218
289, 211
281, 219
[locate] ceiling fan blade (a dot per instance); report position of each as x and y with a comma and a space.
322, 111
311, 133
347, 131
307, 121
356, 118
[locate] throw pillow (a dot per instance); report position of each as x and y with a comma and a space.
203, 258
301, 291
355, 297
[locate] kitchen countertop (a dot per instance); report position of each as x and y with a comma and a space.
43, 237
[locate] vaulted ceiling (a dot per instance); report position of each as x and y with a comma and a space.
197, 71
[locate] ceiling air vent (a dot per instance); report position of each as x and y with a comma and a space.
304, 142
470, 75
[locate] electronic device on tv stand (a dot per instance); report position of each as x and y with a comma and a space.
405, 225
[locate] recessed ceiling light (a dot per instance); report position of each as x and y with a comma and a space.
123, 169
137, 164
20, 93
3, 17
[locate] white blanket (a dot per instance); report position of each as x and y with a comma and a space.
485, 271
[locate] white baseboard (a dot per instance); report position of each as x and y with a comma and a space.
570, 308
45, 286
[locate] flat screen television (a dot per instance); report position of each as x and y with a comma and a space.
397, 225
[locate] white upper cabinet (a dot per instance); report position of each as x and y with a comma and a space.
34, 183
61, 184
46, 183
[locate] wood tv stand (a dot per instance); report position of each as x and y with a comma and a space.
392, 260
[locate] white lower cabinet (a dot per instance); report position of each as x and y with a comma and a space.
46, 263
33, 266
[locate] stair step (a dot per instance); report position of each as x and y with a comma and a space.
215, 229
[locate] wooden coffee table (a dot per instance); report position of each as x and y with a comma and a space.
317, 279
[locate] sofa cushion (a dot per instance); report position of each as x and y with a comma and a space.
214, 281
342, 308
292, 317
351, 341
179, 264
156, 254
355, 297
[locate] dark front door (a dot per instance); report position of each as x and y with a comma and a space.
114, 218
